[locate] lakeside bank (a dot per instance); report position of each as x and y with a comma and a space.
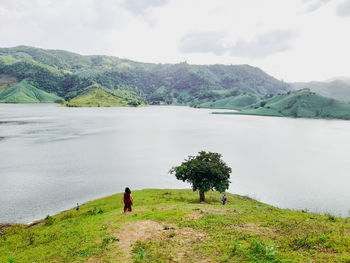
171, 226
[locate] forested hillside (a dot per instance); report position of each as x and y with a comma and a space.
32, 75
67, 74
26, 93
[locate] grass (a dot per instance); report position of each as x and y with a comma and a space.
180, 230
234, 102
97, 96
24, 92
302, 103
6, 82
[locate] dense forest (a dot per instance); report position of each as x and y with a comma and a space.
68, 74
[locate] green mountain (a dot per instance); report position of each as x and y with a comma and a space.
67, 74
338, 89
24, 92
97, 96
302, 103
111, 81
238, 102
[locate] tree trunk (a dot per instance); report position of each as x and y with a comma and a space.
201, 196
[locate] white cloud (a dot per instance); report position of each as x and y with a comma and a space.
265, 44
261, 46
79, 25
343, 9
143, 9
140, 7
198, 31
203, 42
313, 5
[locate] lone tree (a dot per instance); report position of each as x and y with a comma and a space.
205, 172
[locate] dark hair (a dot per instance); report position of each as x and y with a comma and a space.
127, 190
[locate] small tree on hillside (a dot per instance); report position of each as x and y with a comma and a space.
205, 172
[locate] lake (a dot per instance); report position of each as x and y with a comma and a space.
54, 157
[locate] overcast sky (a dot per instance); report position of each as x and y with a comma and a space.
294, 40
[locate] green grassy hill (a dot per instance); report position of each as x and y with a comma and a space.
97, 96
336, 89
67, 74
235, 102
24, 92
126, 82
302, 103
171, 226
7, 82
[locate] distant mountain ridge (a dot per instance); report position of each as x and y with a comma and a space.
338, 89
33, 75
342, 78
66, 74
301, 103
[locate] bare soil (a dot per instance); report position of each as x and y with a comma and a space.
148, 231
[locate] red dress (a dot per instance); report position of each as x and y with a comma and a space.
127, 202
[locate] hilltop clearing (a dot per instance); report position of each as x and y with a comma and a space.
24, 92
171, 226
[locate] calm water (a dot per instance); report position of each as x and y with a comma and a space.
53, 157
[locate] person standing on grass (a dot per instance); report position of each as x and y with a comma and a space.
127, 198
224, 200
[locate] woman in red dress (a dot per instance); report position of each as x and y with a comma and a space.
127, 198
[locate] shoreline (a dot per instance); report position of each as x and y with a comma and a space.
278, 116
36, 222
164, 222
5, 225
219, 111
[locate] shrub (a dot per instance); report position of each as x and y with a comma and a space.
95, 211
49, 220
262, 253
331, 218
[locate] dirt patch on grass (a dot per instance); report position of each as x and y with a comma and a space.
194, 216
94, 260
166, 208
128, 234
34, 223
180, 244
220, 211
145, 230
255, 229
183, 242
188, 234
204, 208
5, 226
179, 239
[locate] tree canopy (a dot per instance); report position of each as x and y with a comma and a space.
206, 171
68, 74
